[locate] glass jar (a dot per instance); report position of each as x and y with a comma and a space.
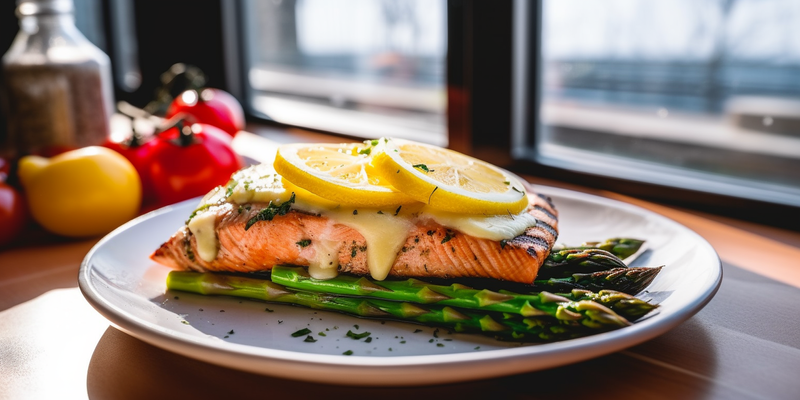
57, 92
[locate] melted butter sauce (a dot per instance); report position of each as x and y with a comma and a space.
385, 231
202, 227
384, 234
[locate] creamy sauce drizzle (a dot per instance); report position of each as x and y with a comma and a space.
385, 231
202, 227
325, 263
384, 234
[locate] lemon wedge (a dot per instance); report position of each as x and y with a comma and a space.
338, 172
447, 180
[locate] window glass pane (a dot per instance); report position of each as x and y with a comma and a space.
703, 94
361, 67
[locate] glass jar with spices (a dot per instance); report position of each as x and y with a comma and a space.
56, 88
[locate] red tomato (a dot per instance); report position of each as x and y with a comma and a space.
213, 107
138, 153
189, 161
13, 213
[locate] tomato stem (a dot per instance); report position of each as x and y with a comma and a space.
186, 137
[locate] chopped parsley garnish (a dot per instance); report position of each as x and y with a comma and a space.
439, 344
195, 212
449, 235
189, 253
355, 326
268, 213
357, 336
423, 167
304, 243
269, 310
348, 353
417, 330
365, 151
397, 211
517, 190
503, 243
436, 333
355, 212
310, 339
368, 340
231, 332
507, 182
322, 334
374, 142
301, 332
380, 212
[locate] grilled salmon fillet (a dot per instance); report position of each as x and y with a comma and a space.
430, 249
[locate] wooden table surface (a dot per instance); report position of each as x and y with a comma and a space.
744, 344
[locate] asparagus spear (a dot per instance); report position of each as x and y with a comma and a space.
571, 318
626, 280
565, 262
416, 291
620, 247
622, 303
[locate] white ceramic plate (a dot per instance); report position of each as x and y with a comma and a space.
120, 281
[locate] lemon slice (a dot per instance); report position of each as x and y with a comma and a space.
448, 180
337, 172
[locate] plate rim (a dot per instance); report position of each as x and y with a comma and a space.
381, 371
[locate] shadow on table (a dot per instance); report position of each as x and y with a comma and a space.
651, 370
123, 367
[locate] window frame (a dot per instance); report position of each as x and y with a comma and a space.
491, 45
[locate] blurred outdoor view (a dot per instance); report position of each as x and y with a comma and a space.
363, 67
709, 86
703, 94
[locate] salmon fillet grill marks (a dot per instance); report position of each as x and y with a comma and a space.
268, 243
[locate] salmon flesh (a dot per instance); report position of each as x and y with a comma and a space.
430, 250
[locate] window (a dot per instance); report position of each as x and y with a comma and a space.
360, 67
703, 95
